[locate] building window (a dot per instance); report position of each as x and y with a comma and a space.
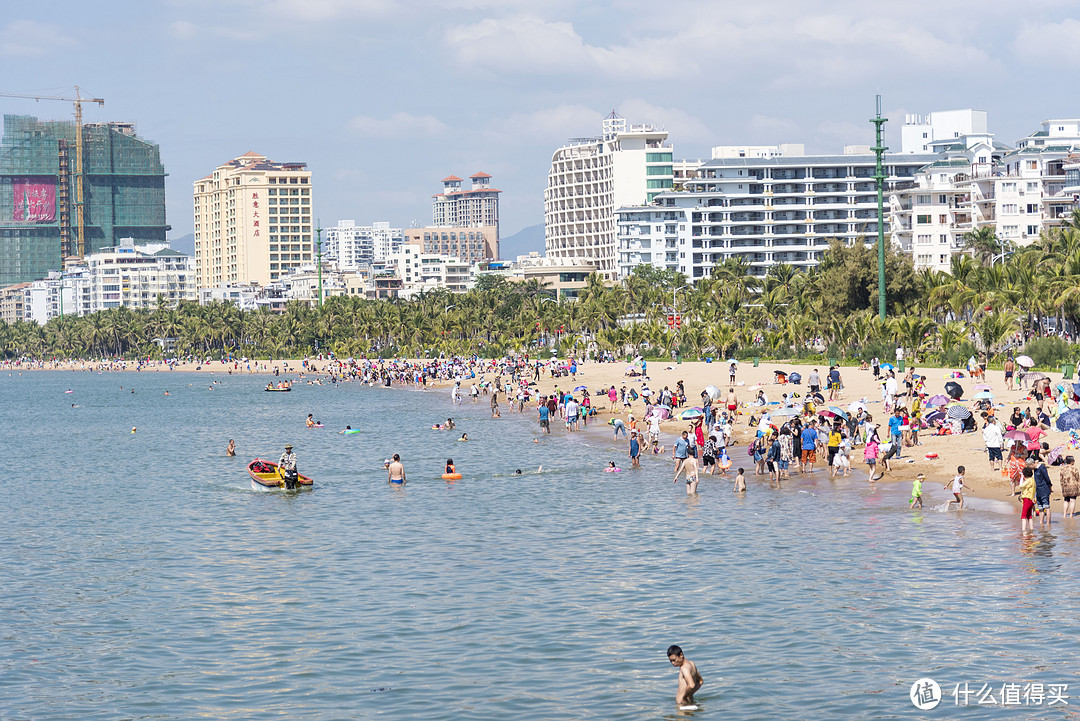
922, 219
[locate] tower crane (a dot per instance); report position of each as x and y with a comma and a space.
78, 100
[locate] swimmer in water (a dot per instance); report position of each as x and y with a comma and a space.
133, 429
166, 392
464, 437
690, 680
347, 428
395, 470
231, 449
449, 424
517, 472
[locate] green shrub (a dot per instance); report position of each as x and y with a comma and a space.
1048, 352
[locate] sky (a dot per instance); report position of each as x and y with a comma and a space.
383, 99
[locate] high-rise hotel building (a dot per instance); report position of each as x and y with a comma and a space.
591, 177
252, 221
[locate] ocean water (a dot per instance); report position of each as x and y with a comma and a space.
144, 579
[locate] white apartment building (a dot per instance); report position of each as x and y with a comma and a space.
134, 276
252, 221
421, 272
769, 209
591, 177
354, 246
246, 297
61, 293
129, 275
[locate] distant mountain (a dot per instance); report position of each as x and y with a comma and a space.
183, 244
522, 242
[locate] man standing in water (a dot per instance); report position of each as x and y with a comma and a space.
287, 466
396, 471
690, 680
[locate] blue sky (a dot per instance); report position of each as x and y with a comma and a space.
383, 99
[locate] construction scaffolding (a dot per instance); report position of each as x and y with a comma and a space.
124, 193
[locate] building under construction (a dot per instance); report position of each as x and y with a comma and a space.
123, 193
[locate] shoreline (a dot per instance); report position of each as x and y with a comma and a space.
966, 449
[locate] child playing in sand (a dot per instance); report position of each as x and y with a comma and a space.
916, 490
740, 482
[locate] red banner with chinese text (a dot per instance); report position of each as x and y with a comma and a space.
34, 199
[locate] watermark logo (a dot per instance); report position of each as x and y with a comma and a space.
925, 694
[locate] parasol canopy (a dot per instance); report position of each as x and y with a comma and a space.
1056, 453
983, 387
1036, 377
959, 412
935, 416
713, 392
784, 412
1016, 436
954, 389
856, 406
984, 395
1025, 361
581, 388
690, 414
834, 412
1069, 420
938, 400
889, 366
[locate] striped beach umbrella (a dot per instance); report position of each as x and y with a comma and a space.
958, 412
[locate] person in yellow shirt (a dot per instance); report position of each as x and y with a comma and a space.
835, 438
1027, 499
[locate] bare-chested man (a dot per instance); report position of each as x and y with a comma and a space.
396, 471
689, 678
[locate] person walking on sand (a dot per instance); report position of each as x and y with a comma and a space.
958, 487
993, 439
690, 680
1010, 371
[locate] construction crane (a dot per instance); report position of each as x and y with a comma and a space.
78, 100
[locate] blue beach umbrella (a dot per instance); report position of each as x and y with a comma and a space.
1069, 420
580, 388
888, 366
833, 411
987, 395
690, 414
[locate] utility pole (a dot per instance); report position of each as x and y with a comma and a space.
318, 252
879, 178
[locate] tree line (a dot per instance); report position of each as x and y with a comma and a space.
994, 298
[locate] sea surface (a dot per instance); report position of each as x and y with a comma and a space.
143, 578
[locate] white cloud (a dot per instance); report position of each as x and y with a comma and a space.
1054, 43
184, 30
681, 125
548, 126
772, 130
324, 10
398, 126
528, 45
32, 39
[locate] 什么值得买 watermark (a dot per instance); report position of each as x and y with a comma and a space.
927, 694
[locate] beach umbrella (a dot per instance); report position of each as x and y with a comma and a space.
1076, 389
580, 388
1069, 420
690, 414
784, 412
938, 400
1016, 436
935, 416
958, 412
732, 360
983, 387
1036, 377
713, 392
954, 390
834, 412
1025, 361
795, 377
886, 366
1056, 453
981, 395
856, 406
